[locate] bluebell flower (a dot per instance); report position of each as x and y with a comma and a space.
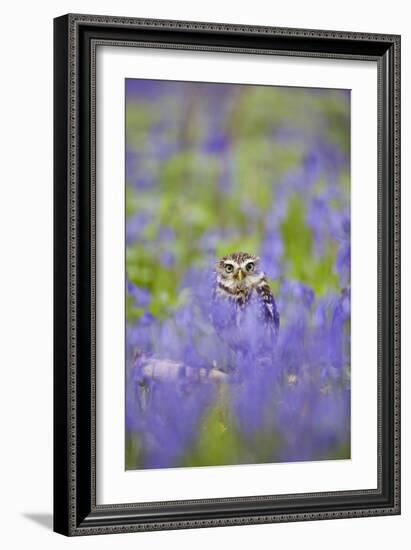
216, 143
167, 259
144, 180
272, 254
343, 262
142, 297
149, 90
135, 226
226, 176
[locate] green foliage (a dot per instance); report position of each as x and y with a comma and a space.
134, 453
145, 270
218, 443
318, 273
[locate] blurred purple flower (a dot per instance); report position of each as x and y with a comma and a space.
166, 415
343, 261
293, 388
216, 143
141, 336
135, 226
149, 90
272, 254
298, 292
131, 162
166, 234
167, 259
318, 220
142, 297
225, 179
144, 181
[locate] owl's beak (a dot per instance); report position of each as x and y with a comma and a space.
240, 275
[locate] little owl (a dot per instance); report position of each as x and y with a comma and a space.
244, 311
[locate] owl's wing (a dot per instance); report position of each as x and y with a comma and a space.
269, 312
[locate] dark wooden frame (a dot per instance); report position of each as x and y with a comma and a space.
76, 38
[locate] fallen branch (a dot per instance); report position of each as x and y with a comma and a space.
167, 370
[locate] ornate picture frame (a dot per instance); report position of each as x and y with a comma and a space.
76, 40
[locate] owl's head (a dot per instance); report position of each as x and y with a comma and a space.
239, 270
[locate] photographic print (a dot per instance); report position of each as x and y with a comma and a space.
237, 287
218, 190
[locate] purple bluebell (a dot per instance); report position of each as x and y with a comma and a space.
135, 226
216, 144
141, 296
343, 262
271, 254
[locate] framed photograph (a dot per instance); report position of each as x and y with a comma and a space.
227, 274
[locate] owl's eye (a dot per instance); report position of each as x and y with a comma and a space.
229, 268
250, 267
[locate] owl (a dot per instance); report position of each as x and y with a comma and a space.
244, 312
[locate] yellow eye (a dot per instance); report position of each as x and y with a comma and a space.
250, 267
229, 268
